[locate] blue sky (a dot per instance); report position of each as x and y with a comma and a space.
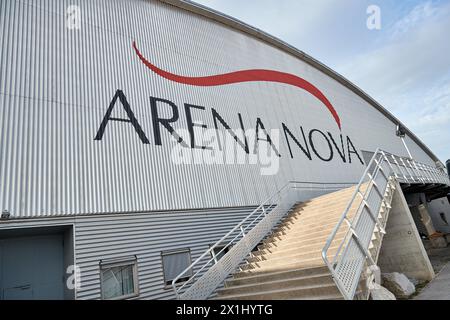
405, 65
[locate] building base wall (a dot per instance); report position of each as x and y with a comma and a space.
33, 264
145, 236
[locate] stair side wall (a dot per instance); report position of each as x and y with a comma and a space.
402, 249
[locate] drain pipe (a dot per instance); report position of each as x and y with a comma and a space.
400, 132
406, 147
447, 164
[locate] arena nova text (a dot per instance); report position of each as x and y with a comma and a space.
307, 144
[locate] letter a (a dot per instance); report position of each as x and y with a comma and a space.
131, 118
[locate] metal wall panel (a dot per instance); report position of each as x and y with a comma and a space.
56, 85
99, 237
146, 236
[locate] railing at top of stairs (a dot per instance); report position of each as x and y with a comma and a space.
207, 273
347, 263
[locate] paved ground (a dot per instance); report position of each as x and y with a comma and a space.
438, 257
439, 287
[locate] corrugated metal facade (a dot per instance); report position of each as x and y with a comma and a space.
56, 85
99, 237
146, 237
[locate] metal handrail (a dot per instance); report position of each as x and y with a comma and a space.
385, 166
250, 222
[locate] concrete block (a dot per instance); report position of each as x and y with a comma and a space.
398, 284
426, 219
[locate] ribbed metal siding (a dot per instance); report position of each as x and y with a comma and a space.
146, 235
56, 84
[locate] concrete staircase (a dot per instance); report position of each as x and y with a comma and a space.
288, 263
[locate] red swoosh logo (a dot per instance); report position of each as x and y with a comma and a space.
244, 76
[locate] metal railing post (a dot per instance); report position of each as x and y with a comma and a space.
399, 168
407, 170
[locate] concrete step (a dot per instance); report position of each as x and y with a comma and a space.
314, 292
327, 226
267, 265
311, 223
296, 236
272, 246
307, 247
318, 219
321, 202
312, 214
324, 208
299, 282
280, 258
290, 252
298, 242
245, 277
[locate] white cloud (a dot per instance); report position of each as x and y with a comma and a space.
280, 18
308, 25
409, 73
405, 66
432, 121
419, 14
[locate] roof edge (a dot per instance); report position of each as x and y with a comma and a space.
276, 42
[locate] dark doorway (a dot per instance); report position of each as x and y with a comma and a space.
33, 263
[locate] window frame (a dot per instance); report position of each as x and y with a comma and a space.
175, 251
120, 262
220, 247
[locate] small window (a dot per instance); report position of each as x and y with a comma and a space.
175, 262
443, 218
218, 252
119, 278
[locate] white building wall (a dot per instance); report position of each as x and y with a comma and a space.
123, 197
56, 85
